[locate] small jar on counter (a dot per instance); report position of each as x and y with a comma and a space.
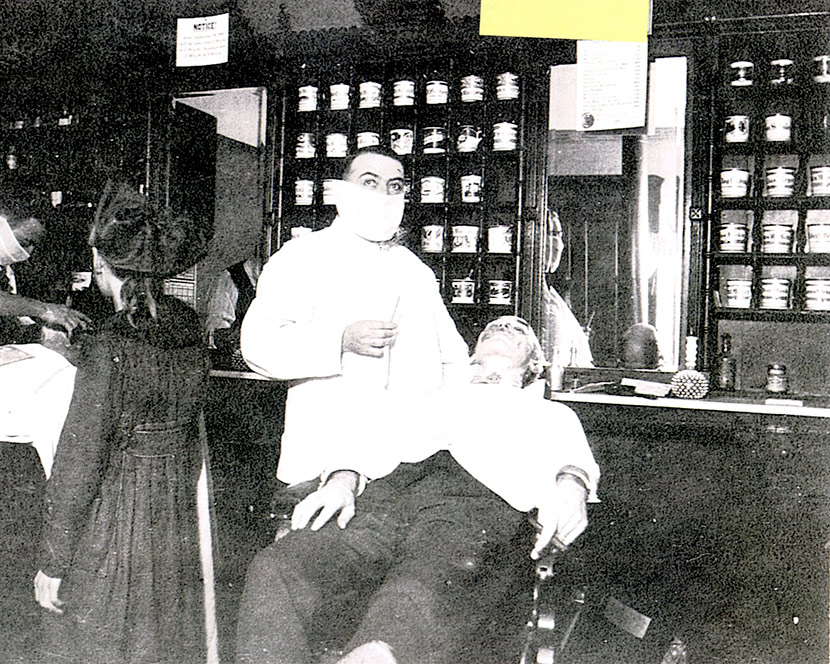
777, 380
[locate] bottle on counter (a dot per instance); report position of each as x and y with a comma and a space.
726, 364
777, 379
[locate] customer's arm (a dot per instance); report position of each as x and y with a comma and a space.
562, 502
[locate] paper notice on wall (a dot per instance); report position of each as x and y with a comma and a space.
611, 83
202, 41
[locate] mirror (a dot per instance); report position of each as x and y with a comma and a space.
620, 200
216, 167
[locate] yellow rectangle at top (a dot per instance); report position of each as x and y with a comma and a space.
604, 20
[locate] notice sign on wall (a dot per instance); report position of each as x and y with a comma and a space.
611, 80
202, 41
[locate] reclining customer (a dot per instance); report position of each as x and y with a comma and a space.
466, 465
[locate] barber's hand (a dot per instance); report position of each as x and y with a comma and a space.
563, 517
335, 496
58, 315
369, 337
46, 592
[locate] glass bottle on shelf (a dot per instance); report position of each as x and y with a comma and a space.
726, 364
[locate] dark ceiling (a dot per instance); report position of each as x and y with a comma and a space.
52, 44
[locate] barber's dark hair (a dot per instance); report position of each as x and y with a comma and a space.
372, 149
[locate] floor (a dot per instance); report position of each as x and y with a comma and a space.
744, 629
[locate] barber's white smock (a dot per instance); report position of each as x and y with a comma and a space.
308, 293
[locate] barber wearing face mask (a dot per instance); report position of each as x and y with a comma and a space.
352, 319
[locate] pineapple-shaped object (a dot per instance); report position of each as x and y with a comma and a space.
689, 383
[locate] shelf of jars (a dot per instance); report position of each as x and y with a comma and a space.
770, 243
459, 136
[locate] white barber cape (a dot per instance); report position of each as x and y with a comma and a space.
512, 440
308, 293
35, 392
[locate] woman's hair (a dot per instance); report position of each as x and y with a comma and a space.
143, 246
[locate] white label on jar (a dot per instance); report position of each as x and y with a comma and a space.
738, 293
734, 182
339, 99
778, 127
500, 239
307, 98
505, 136
736, 129
463, 291
305, 146
370, 94
469, 137
432, 238
329, 191
821, 69
403, 93
336, 145
432, 189
465, 239
437, 92
472, 88
434, 140
401, 141
304, 192
741, 72
367, 139
501, 291
507, 86
820, 180
780, 181
733, 237
471, 188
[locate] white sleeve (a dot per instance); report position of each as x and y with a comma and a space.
284, 336
574, 453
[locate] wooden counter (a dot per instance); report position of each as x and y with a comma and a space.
715, 516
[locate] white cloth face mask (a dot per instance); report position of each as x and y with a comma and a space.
372, 215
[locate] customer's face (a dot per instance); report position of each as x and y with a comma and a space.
377, 172
508, 337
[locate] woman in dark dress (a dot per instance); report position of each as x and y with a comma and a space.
120, 569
